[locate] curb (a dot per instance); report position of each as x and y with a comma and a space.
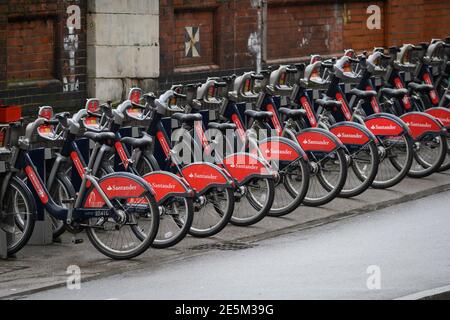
435, 294
441, 293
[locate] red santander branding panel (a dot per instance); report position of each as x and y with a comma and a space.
419, 124
275, 121
163, 142
201, 175
399, 85
37, 184
115, 187
443, 115
79, 166
344, 106
433, 95
243, 165
384, 127
276, 150
239, 127
350, 135
373, 101
122, 154
309, 112
316, 141
164, 184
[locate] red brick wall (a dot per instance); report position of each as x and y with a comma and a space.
41, 63
31, 49
296, 29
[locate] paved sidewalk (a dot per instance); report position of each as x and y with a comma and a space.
42, 267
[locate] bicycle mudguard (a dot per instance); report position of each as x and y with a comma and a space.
352, 133
280, 149
420, 123
442, 114
118, 185
245, 166
384, 124
166, 184
317, 139
202, 176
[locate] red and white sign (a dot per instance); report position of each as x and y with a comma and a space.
420, 124
275, 121
37, 184
239, 127
242, 165
122, 154
164, 184
276, 150
316, 141
399, 85
384, 127
373, 101
309, 112
350, 134
433, 95
344, 106
163, 142
441, 114
116, 187
201, 175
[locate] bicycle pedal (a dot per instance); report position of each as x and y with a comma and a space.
68, 201
77, 240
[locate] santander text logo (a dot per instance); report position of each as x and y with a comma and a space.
316, 142
169, 186
418, 125
383, 127
121, 188
202, 176
349, 135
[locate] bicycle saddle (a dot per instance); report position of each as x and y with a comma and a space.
420, 87
142, 142
393, 93
183, 118
293, 113
258, 115
222, 126
101, 137
366, 95
328, 103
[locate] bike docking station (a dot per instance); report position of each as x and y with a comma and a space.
4, 155
43, 148
42, 234
9, 132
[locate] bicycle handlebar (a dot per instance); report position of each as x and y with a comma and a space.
179, 95
258, 76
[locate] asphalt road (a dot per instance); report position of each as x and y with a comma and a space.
405, 249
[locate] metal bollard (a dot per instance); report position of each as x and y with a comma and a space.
3, 245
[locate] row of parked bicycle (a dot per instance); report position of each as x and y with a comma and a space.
277, 139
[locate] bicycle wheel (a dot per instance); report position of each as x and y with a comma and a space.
18, 203
328, 173
291, 189
363, 169
396, 156
177, 214
129, 236
429, 154
61, 190
253, 202
446, 164
213, 211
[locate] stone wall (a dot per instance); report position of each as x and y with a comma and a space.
123, 47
